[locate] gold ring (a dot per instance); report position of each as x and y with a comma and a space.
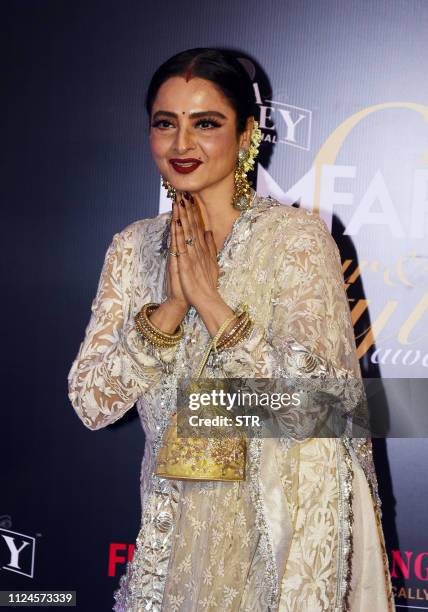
174, 253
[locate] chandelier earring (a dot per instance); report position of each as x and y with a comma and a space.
245, 162
170, 190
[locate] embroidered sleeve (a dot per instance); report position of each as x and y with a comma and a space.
309, 335
114, 365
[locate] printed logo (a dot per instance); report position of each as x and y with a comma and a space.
284, 123
17, 550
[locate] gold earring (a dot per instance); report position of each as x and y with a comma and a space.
245, 163
170, 190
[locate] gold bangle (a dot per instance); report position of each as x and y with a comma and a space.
146, 330
241, 321
221, 329
234, 332
143, 328
152, 338
212, 344
243, 333
147, 310
235, 337
240, 311
151, 332
240, 314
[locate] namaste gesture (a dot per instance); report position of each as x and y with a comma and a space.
192, 267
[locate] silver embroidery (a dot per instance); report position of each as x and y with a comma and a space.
296, 298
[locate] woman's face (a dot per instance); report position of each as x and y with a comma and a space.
193, 134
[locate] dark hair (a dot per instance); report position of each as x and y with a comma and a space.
220, 67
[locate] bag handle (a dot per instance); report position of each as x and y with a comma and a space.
213, 344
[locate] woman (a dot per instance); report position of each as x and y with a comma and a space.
252, 289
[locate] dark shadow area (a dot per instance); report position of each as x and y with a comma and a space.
369, 369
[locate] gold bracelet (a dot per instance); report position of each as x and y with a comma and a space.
146, 330
240, 311
221, 330
152, 338
212, 344
233, 340
241, 316
233, 332
242, 319
147, 310
243, 333
151, 332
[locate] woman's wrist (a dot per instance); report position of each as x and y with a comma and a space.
168, 316
213, 311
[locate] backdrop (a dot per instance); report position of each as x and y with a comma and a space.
342, 91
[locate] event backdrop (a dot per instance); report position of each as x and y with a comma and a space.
342, 92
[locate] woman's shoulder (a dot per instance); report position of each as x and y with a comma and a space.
288, 215
290, 227
147, 229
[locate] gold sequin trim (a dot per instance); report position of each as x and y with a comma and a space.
346, 519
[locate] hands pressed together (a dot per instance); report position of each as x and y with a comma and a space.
193, 271
192, 274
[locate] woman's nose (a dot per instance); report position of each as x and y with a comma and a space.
183, 140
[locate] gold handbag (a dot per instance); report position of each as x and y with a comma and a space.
201, 458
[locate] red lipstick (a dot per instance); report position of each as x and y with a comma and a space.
184, 166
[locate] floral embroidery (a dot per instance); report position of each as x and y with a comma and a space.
209, 546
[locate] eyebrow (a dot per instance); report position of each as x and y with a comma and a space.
192, 115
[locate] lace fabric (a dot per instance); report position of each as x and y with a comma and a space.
282, 538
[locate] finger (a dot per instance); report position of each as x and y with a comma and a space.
173, 242
181, 245
172, 267
187, 229
209, 239
195, 218
173, 246
174, 209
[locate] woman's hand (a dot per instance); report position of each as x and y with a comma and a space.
174, 291
197, 265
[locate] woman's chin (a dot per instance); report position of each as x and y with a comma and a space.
188, 184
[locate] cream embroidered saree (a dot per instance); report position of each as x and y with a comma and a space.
302, 532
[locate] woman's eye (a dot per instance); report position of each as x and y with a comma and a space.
162, 123
204, 124
207, 124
